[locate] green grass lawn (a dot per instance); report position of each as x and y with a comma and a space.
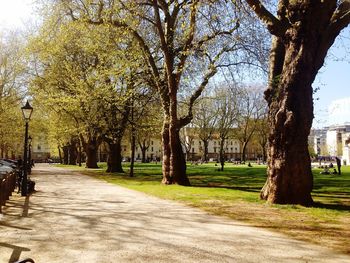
235, 193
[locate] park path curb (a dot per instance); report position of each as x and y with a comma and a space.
76, 218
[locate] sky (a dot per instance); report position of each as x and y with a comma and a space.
14, 13
333, 79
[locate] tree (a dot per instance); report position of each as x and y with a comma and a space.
261, 135
251, 108
12, 70
171, 35
147, 119
226, 104
205, 119
85, 72
302, 33
187, 141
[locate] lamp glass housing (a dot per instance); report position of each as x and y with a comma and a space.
27, 111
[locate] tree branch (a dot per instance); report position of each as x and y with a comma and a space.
188, 43
341, 17
274, 25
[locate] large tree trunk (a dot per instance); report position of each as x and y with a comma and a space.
133, 146
222, 154
296, 60
114, 161
60, 155
166, 152
289, 170
133, 142
302, 33
205, 154
65, 154
177, 159
143, 154
73, 152
244, 149
91, 148
79, 153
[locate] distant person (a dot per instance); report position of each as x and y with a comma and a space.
325, 170
331, 165
338, 165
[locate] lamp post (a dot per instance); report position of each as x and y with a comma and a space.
30, 154
27, 113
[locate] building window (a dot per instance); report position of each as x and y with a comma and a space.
39, 147
152, 143
214, 142
214, 149
200, 143
152, 149
193, 150
231, 149
231, 142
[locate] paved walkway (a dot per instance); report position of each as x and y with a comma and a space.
75, 218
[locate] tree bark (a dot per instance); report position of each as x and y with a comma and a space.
302, 33
91, 148
133, 146
177, 160
65, 150
205, 153
222, 154
143, 155
114, 162
79, 153
60, 155
143, 147
166, 152
290, 178
244, 149
133, 141
73, 152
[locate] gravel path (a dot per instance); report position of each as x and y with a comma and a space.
75, 218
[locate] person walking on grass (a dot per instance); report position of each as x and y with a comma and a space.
338, 165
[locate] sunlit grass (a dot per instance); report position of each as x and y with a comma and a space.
235, 193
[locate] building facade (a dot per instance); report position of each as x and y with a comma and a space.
338, 137
332, 141
318, 141
193, 149
40, 148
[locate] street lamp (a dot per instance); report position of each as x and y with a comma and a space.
30, 154
27, 113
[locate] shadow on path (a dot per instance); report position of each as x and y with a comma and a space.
16, 251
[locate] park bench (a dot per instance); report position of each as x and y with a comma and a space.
7, 186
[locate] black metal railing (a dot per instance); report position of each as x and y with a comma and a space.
7, 186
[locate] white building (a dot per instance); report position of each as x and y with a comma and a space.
318, 141
338, 140
40, 148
